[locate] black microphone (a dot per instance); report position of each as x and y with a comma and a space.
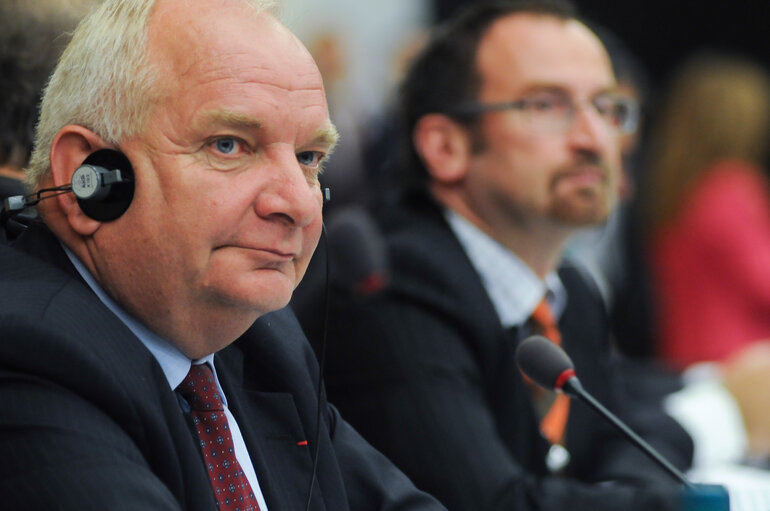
359, 262
549, 366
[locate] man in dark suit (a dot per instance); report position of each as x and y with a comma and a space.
512, 125
130, 345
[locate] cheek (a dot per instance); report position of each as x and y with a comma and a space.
616, 163
311, 234
524, 151
526, 168
612, 145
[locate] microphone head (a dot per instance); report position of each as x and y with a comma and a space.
544, 362
359, 262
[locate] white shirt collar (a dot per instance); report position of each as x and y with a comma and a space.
514, 289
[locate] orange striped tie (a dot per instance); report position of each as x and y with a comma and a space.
554, 422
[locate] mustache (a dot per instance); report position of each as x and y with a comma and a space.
589, 158
586, 159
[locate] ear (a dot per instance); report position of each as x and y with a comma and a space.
444, 146
70, 147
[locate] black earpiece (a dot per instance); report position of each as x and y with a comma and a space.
104, 185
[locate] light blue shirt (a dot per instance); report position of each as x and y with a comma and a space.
514, 289
175, 365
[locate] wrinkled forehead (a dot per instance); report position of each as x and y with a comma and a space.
226, 35
237, 62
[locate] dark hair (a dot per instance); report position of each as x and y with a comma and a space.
31, 39
444, 74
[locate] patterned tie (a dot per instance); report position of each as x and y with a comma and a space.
231, 488
554, 420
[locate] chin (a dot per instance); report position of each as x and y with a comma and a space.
583, 213
257, 295
591, 219
262, 303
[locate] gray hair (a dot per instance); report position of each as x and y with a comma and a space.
104, 80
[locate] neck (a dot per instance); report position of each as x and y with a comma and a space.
538, 242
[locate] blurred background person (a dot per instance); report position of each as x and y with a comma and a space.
32, 36
633, 82
705, 210
510, 143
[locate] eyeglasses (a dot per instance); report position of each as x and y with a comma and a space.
553, 111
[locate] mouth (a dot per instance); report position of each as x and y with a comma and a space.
265, 254
587, 175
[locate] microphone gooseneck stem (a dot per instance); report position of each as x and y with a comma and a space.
573, 388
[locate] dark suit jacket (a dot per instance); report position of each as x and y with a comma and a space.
426, 373
11, 226
10, 186
88, 420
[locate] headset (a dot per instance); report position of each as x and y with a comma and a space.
103, 185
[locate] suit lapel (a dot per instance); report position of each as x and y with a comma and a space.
521, 416
472, 308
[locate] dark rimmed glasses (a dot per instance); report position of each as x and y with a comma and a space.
555, 111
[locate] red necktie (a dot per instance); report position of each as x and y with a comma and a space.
554, 422
231, 488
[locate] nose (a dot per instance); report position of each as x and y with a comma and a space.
589, 132
289, 196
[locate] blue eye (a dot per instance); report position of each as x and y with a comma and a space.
226, 145
309, 158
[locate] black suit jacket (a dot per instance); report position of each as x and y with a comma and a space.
88, 420
426, 372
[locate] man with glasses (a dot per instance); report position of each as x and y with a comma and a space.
512, 129
554, 110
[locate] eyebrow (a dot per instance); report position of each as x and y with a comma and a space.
234, 119
327, 136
